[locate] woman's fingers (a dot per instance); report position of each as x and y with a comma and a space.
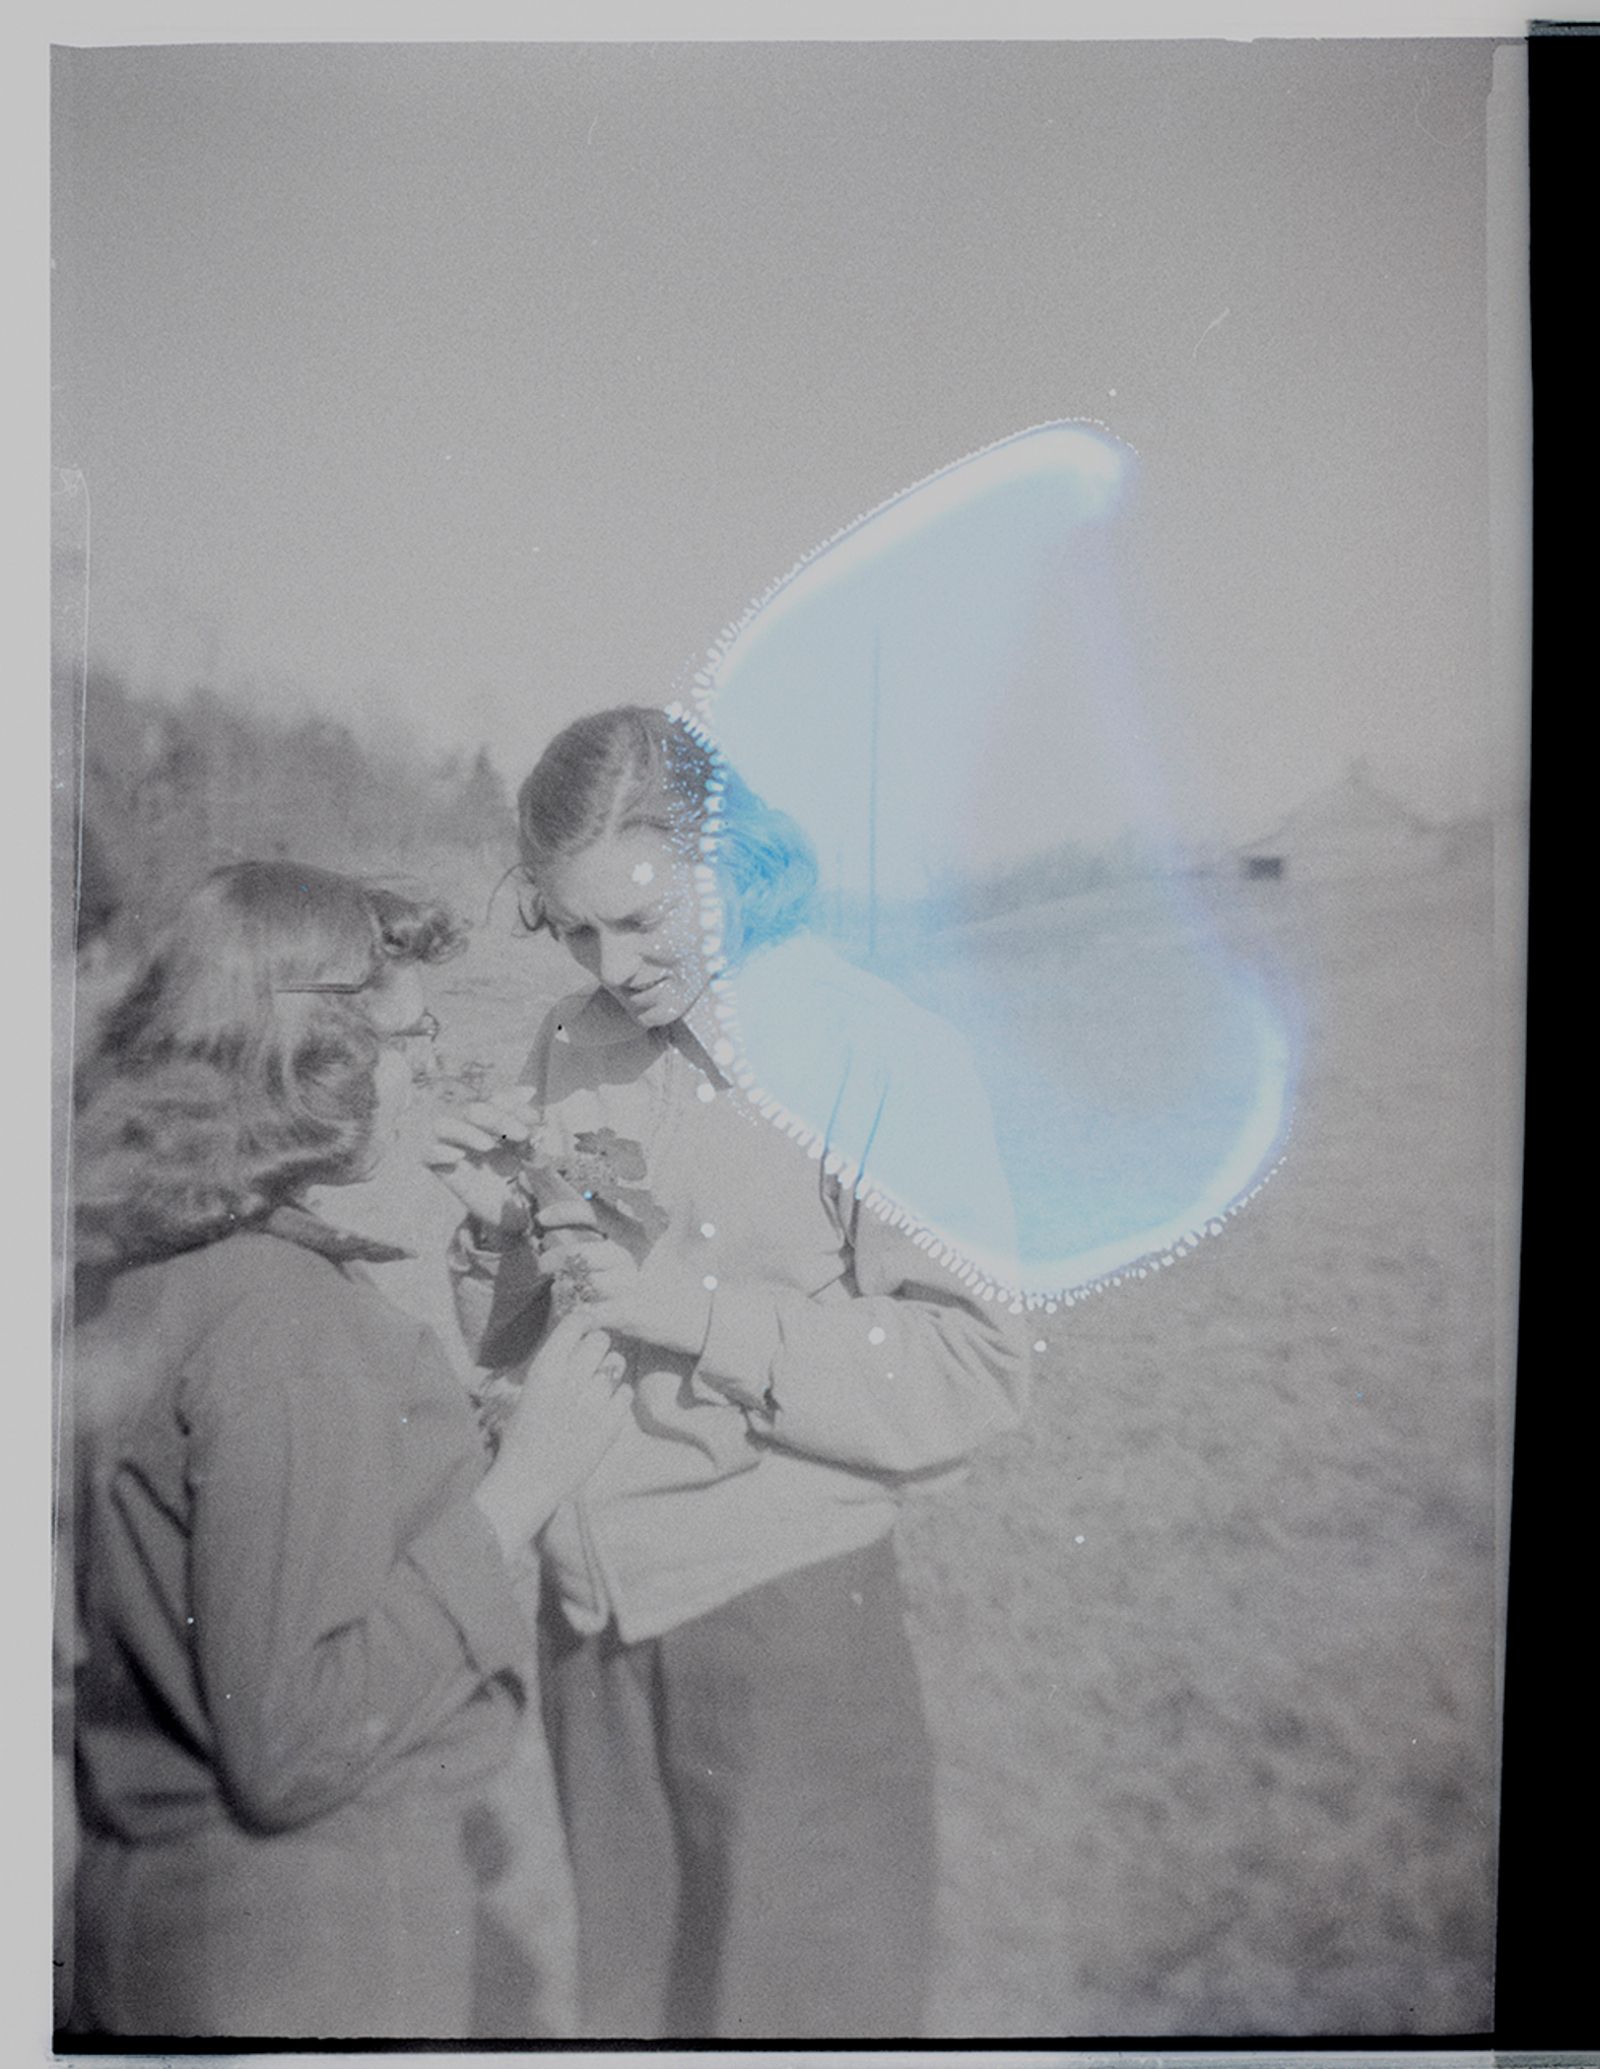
509, 1115
582, 1353
485, 1126
454, 1138
473, 1152
580, 1349
562, 1214
486, 1197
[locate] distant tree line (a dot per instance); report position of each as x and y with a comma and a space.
151, 794
169, 788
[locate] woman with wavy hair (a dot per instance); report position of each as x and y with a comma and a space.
743, 1766
302, 1658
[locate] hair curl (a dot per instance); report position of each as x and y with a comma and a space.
633, 767
238, 1067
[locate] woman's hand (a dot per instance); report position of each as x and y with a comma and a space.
572, 1405
477, 1152
663, 1305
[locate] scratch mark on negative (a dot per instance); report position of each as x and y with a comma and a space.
1214, 324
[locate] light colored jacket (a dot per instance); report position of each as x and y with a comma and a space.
843, 1365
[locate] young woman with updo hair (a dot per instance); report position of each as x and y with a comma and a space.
301, 1655
733, 1708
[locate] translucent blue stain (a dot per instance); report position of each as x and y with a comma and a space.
940, 697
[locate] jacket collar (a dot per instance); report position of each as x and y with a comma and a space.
311, 1232
595, 1020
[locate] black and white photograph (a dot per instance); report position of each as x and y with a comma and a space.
788, 884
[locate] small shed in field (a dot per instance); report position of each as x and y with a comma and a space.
1354, 828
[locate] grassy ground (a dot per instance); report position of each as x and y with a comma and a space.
1209, 1648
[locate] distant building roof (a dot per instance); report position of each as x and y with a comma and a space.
1351, 812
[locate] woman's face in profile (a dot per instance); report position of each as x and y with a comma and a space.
398, 1010
629, 910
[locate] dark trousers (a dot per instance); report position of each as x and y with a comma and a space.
749, 1806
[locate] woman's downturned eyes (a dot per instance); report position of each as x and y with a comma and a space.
568, 935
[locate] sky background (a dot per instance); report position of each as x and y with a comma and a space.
454, 390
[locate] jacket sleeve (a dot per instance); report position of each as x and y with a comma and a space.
334, 1627
926, 1359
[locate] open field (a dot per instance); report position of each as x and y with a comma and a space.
1209, 1647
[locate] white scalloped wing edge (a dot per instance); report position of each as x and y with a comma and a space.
990, 1278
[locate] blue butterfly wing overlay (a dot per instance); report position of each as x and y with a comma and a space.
944, 697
